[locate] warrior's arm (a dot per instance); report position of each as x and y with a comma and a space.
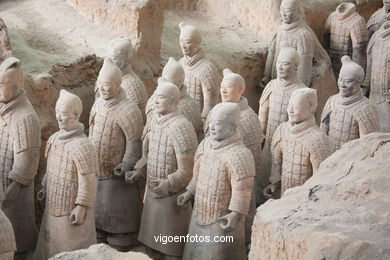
277, 156
359, 37
270, 58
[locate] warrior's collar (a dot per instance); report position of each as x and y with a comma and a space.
345, 10
243, 103
63, 135
190, 61
292, 26
19, 98
287, 83
215, 145
302, 126
114, 100
345, 101
161, 120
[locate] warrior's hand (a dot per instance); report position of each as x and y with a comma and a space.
184, 198
122, 168
12, 191
264, 81
229, 221
78, 214
162, 188
41, 195
267, 192
131, 177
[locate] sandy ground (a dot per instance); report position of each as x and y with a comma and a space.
45, 32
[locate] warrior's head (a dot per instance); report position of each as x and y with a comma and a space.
386, 5
224, 120
174, 72
287, 63
120, 50
290, 10
109, 80
167, 97
350, 78
190, 39
68, 110
11, 79
302, 105
232, 86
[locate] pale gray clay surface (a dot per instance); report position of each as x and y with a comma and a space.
346, 34
377, 80
118, 143
315, 69
349, 115
120, 50
20, 144
378, 18
222, 185
69, 185
7, 238
168, 159
273, 109
298, 146
201, 75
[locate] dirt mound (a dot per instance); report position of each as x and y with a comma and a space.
343, 212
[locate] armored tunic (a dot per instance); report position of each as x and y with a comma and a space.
19, 150
170, 147
378, 75
222, 182
346, 119
273, 105
314, 70
69, 181
201, 76
116, 129
376, 20
297, 152
7, 238
348, 35
135, 90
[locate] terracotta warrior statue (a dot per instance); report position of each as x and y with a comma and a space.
315, 69
378, 18
168, 150
69, 185
349, 115
273, 109
222, 184
7, 238
346, 34
249, 129
115, 129
5, 45
19, 152
174, 72
120, 50
201, 76
378, 74
298, 146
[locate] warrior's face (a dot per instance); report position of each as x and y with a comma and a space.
386, 5
348, 85
165, 101
188, 45
220, 129
286, 67
118, 58
299, 109
289, 11
67, 118
108, 90
230, 91
8, 88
